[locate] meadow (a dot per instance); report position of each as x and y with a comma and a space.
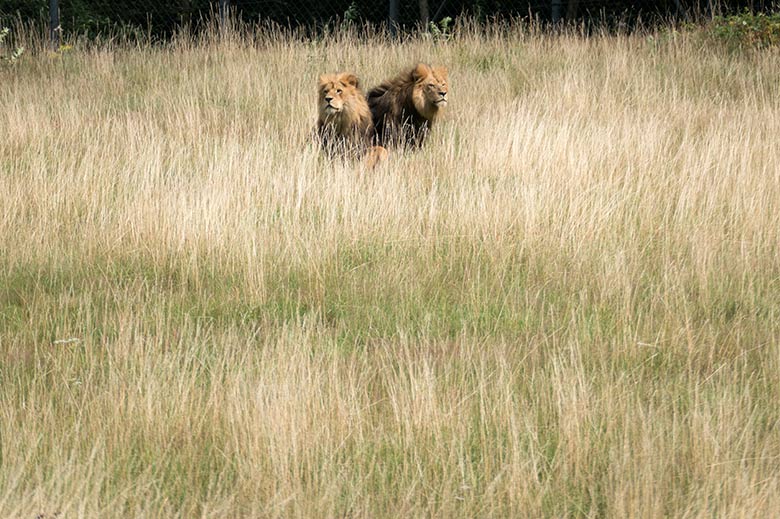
567, 304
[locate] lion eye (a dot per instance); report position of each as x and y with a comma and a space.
338, 91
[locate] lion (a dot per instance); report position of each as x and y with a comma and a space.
344, 125
404, 108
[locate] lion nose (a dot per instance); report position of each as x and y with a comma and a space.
328, 99
442, 94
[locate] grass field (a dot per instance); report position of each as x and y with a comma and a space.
566, 305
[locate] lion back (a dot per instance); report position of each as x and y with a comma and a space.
396, 120
384, 106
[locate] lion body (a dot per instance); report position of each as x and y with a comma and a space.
404, 108
344, 124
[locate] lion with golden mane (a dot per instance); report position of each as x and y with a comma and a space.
404, 108
344, 125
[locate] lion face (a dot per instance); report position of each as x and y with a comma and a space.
431, 89
335, 92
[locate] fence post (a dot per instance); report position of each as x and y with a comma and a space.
557, 11
679, 8
393, 17
54, 24
425, 13
223, 10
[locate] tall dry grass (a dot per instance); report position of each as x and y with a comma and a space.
566, 304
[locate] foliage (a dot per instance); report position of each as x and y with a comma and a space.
15, 54
24, 9
746, 30
351, 15
440, 31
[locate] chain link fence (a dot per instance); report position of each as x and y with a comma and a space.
160, 18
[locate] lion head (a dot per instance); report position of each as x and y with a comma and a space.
430, 90
340, 97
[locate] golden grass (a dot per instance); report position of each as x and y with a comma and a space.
566, 304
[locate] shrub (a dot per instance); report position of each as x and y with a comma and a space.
747, 30
14, 54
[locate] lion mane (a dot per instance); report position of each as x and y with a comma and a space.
404, 108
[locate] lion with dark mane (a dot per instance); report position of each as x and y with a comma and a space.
404, 108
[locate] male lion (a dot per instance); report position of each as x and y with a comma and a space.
405, 107
344, 125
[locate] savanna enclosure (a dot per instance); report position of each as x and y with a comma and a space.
566, 304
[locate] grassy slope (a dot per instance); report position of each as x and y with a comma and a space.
566, 305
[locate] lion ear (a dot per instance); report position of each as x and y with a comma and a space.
421, 71
350, 79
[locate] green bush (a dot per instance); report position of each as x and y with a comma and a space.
747, 30
14, 54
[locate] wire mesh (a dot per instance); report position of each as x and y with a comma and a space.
162, 17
